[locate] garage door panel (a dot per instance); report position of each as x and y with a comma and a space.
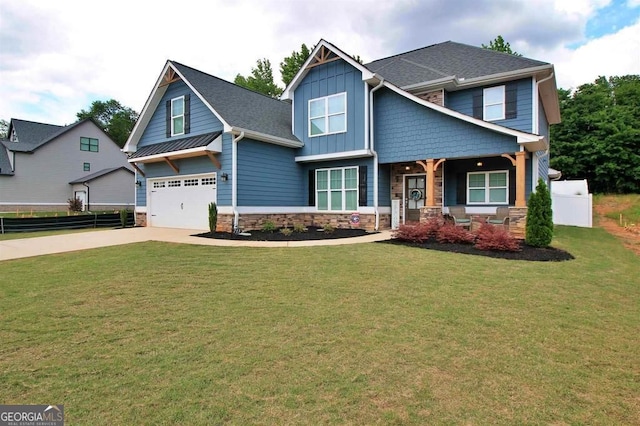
182, 201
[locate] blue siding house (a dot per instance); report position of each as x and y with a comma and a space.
396, 140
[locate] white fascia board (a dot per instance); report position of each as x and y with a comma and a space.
521, 137
150, 158
147, 112
263, 137
344, 155
302, 72
152, 104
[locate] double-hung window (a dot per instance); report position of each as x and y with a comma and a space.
488, 187
89, 144
328, 115
494, 103
177, 116
337, 189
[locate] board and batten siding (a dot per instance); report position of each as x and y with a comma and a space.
43, 176
407, 131
462, 101
324, 80
201, 118
268, 175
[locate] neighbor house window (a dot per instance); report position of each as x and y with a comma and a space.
86, 167
337, 189
89, 144
328, 115
177, 116
493, 107
488, 187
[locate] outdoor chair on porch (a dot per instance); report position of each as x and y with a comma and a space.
459, 216
501, 218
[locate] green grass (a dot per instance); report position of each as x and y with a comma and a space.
20, 235
159, 333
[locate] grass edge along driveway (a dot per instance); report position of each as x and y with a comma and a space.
364, 334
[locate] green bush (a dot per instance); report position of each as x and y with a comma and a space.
286, 231
299, 227
269, 226
213, 217
539, 229
123, 217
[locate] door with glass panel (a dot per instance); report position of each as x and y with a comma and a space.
415, 191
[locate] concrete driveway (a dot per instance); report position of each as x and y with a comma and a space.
28, 247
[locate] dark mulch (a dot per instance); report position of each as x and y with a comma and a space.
526, 253
548, 254
312, 233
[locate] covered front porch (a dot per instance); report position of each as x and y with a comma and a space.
426, 188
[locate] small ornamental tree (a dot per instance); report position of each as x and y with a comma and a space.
539, 230
213, 217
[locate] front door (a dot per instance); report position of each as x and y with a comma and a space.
414, 193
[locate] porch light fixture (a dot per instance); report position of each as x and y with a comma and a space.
138, 183
479, 164
224, 177
407, 168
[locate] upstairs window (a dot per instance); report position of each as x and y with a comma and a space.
488, 187
328, 115
86, 167
89, 144
177, 116
493, 108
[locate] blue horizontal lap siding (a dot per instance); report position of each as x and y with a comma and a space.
462, 101
202, 119
407, 131
324, 80
268, 175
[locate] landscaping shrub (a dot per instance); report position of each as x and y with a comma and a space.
491, 237
299, 227
213, 217
269, 226
75, 204
286, 231
539, 229
450, 233
419, 232
328, 228
123, 217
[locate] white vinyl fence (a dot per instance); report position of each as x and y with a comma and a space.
571, 203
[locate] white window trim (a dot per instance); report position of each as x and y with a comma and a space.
179, 98
326, 114
485, 104
343, 189
487, 188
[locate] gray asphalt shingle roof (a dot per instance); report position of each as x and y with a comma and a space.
447, 59
32, 135
177, 145
241, 107
5, 165
98, 174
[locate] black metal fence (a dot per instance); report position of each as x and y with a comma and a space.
30, 224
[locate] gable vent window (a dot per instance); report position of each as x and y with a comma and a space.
178, 116
328, 115
89, 144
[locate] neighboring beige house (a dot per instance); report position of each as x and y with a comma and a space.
42, 166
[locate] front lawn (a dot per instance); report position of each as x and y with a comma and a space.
159, 333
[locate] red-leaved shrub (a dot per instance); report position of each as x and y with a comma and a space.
449, 233
491, 237
419, 232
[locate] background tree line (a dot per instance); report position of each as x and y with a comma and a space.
598, 138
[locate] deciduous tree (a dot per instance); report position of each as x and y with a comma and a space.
260, 80
114, 118
499, 45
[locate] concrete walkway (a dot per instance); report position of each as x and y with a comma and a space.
28, 247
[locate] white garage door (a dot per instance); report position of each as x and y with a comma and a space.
181, 201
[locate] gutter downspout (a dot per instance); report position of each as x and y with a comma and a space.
546, 152
375, 154
234, 180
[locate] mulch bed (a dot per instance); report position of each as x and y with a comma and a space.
548, 254
529, 253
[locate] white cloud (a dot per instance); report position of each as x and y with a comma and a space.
58, 57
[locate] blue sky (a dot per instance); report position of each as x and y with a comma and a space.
56, 57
